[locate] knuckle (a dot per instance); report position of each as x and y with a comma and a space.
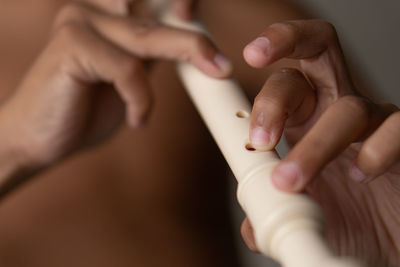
287, 27
142, 29
268, 102
389, 107
395, 118
392, 125
71, 12
329, 29
356, 105
131, 67
68, 33
372, 155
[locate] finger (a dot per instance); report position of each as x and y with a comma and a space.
118, 7
379, 152
344, 122
184, 8
293, 39
93, 59
156, 41
314, 41
247, 233
148, 40
286, 99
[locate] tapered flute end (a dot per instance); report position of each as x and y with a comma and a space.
287, 227
307, 247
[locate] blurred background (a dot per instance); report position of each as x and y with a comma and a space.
370, 35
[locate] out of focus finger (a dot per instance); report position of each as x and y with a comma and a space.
93, 59
156, 41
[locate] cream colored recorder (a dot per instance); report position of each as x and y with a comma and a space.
288, 227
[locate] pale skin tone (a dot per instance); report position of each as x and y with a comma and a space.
308, 165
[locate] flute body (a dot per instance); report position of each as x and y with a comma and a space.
288, 227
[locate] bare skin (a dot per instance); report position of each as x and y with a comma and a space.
345, 148
85, 210
103, 206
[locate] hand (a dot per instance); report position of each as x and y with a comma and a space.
89, 74
345, 147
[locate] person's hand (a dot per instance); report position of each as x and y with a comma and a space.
90, 73
345, 147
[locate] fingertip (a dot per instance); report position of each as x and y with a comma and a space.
260, 139
137, 117
257, 52
288, 177
217, 67
134, 122
224, 65
358, 175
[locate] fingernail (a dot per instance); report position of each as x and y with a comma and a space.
223, 63
260, 139
260, 119
260, 45
288, 177
357, 175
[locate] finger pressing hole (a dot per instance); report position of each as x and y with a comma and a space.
286, 99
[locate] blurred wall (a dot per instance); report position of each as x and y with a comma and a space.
370, 34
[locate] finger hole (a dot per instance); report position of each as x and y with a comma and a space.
242, 114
